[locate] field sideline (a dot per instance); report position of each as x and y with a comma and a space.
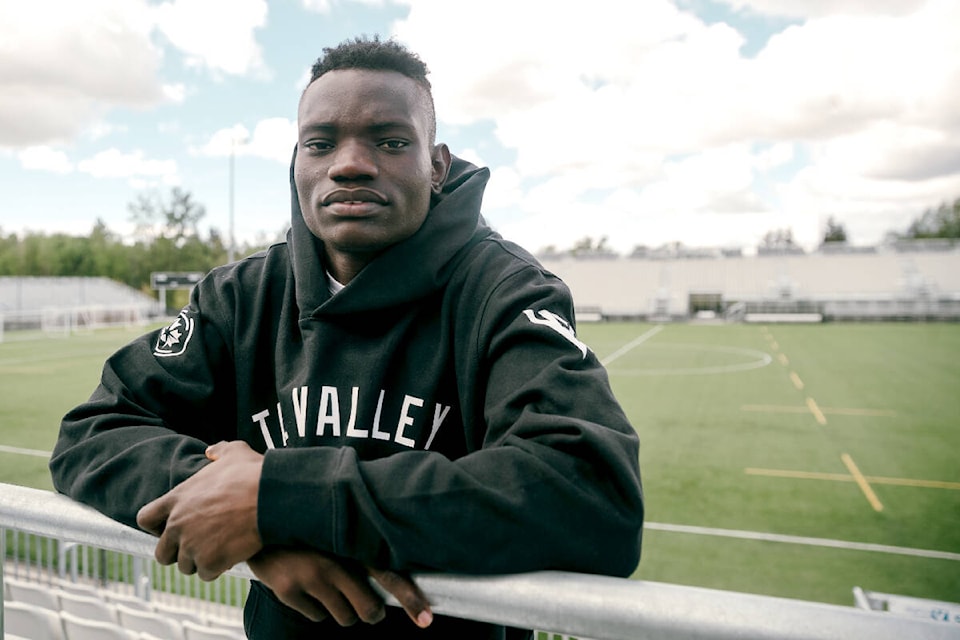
788, 460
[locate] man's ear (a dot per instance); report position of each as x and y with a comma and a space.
441, 167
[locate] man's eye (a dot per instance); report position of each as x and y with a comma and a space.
394, 144
317, 145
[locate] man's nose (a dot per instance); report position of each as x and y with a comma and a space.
353, 160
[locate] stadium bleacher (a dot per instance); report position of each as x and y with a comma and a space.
65, 610
854, 285
67, 303
35, 292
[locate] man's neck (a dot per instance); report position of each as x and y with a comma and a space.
344, 267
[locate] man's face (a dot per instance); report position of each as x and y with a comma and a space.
365, 166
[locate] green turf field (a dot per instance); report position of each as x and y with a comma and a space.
845, 433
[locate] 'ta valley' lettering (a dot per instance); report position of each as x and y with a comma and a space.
329, 418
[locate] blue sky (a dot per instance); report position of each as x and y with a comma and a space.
707, 122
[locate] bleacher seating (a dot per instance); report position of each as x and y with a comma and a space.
78, 628
157, 625
128, 601
65, 304
869, 284
178, 613
87, 608
61, 610
193, 631
31, 593
28, 293
31, 621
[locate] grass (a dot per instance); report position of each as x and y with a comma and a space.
41, 380
710, 403
889, 394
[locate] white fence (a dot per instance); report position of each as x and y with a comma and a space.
580, 605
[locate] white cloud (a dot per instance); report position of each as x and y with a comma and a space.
102, 129
215, 34
773, 156
175, 92
63, 64
819, 8
645, 99
113, 163
325, 6
45, 159
304, 79
272, 138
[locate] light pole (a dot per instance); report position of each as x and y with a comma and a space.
235, 139
230, 241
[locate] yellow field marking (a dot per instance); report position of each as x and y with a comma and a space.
803, 475
782, 357
774, 345
909, 482
879, 413
815, 410
774, 408
797, 382
842, 477
862, 483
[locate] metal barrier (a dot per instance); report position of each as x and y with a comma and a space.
580, 605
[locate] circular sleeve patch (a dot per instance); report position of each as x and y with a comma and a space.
173, 339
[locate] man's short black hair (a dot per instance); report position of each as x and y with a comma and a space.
374, 54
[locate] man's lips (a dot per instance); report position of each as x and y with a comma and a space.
357, 196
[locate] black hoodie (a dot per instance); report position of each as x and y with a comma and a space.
437, 414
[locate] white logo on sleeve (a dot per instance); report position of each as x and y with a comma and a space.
173, 339
548, 319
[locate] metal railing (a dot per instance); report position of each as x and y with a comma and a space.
580, 605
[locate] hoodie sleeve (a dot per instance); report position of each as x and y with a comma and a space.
146, 426
553, 484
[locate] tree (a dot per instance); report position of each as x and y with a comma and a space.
168, 240
835, 232
175, 220
942, 222
587, 246
778, 241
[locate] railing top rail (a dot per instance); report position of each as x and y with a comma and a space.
583, 605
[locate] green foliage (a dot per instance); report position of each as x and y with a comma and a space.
835, 232
167, 239
942, 222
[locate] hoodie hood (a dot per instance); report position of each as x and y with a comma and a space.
407, 271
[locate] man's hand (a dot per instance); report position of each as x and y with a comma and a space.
208, 522
318, 585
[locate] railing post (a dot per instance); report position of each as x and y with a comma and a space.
141, 578
3, 564
102, 567
62, 550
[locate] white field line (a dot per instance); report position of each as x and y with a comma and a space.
24, 452
636, 342
813, 542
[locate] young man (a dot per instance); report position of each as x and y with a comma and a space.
395, 388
